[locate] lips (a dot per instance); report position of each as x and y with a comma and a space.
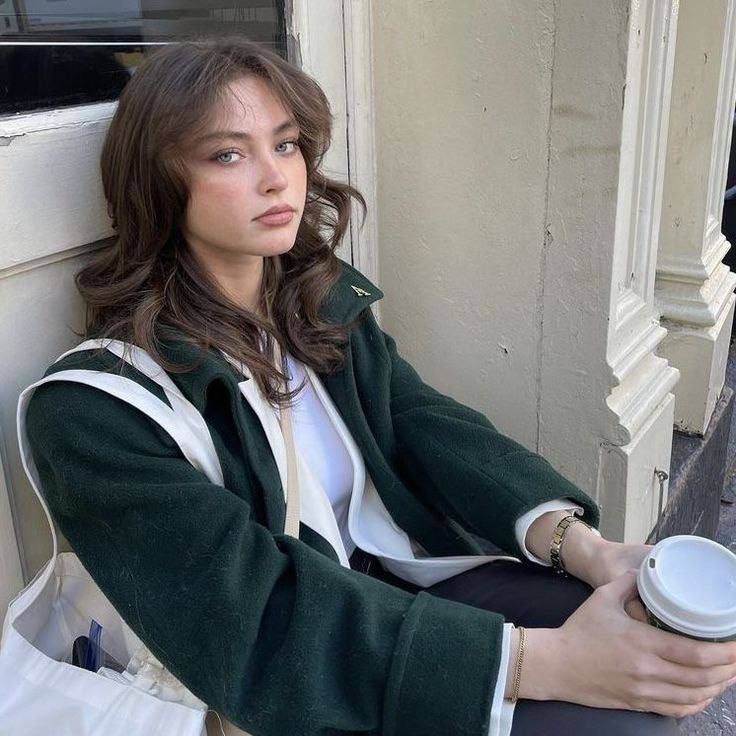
276, 219
277, 210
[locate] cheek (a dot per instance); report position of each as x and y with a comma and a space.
215, 190
219, 202
300, 180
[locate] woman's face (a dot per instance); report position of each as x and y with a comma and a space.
244, 163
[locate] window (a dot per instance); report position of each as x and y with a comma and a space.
57, 53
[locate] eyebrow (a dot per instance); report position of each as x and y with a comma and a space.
242, 135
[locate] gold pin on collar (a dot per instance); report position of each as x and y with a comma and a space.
359, 291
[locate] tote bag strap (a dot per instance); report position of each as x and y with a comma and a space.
193, 419
291, 524
132, 393
293, 496
187, 413
182, 421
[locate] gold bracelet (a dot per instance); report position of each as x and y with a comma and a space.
517, 671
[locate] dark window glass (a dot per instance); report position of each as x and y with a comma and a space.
56, 53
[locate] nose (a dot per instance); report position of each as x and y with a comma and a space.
272, 175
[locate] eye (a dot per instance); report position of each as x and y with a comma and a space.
294, 142
219, 157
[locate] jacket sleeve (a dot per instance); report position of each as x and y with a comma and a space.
453, 456
265, 629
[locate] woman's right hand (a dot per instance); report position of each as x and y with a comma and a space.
603, 657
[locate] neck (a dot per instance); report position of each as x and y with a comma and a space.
240, 277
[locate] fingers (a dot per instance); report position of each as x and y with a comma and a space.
622, 589
635, 609
676, 694
695, 677
693, 653
676, 711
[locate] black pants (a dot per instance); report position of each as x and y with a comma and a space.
532, 596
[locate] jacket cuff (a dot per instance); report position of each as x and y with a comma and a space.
444, 670
502, 710
524, 485
523, 523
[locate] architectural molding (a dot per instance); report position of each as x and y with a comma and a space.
700, 303
694, 288
333, 42
723, 127
361, 133
620, 388
697, 266
641, 380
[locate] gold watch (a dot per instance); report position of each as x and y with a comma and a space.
558, 537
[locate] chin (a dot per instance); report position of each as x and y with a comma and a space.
274, 248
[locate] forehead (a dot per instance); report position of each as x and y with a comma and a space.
247, 103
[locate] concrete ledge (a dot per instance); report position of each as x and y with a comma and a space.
697, 473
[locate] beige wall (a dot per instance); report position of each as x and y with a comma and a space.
520, 151
462, 108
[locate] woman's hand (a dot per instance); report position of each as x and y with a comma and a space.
585, 554
614, 559
604, 658
598, 561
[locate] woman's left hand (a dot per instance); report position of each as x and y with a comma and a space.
598, 561
613, 559
585, 554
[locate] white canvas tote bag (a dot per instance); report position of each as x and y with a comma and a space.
40, 694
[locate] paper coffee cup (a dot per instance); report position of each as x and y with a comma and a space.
688, 586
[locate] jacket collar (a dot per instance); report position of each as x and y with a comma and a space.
349, 296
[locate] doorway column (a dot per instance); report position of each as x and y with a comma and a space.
606, 403
694, 289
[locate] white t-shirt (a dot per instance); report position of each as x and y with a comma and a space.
322, 448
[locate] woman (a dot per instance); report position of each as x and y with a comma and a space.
211, 169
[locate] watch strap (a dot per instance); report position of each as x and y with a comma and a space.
558, 537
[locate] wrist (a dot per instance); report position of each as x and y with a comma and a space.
539, 535
582, 551
542, 676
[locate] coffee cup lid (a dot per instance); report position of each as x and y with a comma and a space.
689, 583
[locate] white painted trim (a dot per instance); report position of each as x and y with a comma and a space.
601, 379
85, 43
315, 26
649, 70
700, 303
51, 198
694, 289
693, 268
63, 117
723, 126
641, 379
61, 255
361, 132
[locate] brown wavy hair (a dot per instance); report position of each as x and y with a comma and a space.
146, 286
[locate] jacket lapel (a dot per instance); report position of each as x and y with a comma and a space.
257, 426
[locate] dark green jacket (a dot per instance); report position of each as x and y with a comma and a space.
269, 630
